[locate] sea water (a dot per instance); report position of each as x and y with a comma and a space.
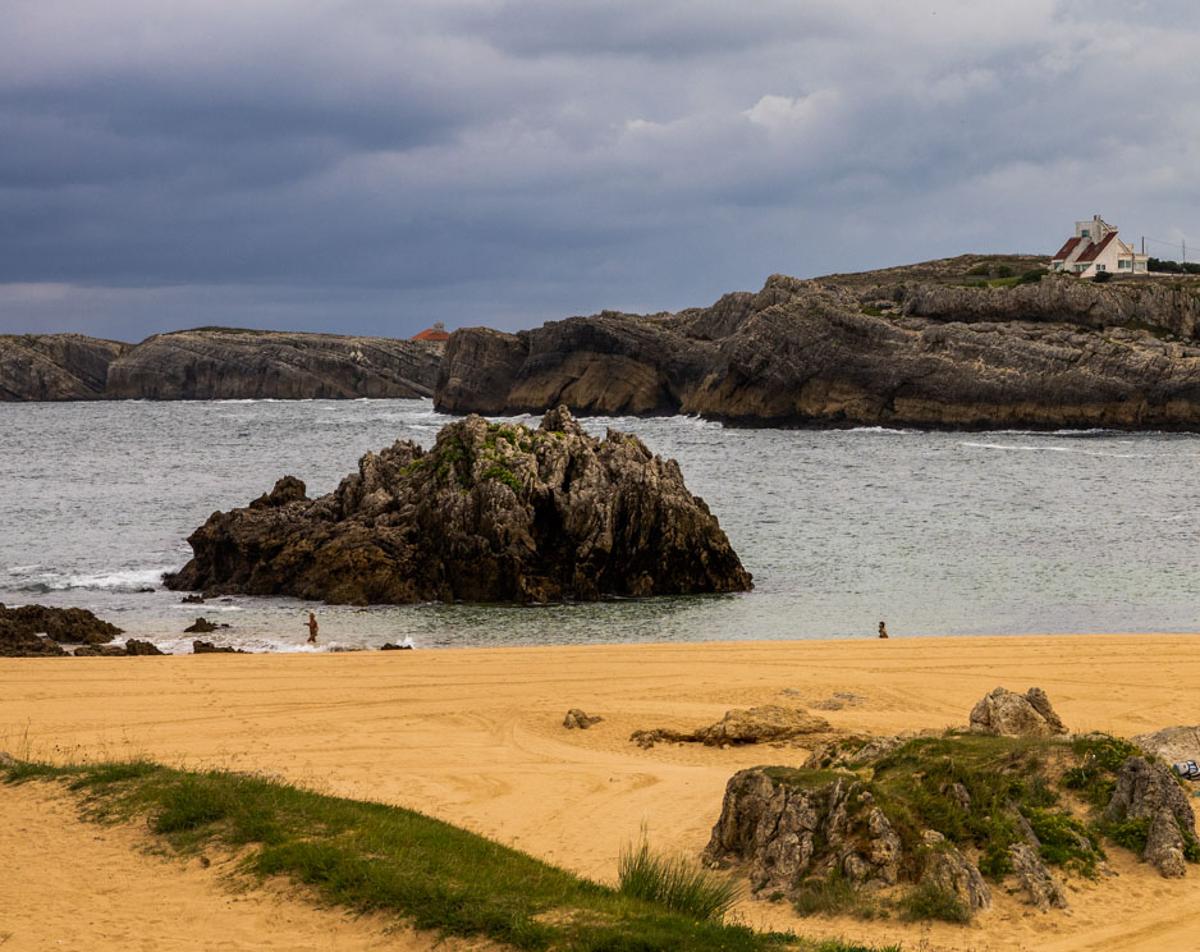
936, 533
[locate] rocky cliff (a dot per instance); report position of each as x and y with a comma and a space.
492, 513
879, 349
215, 363
55, 366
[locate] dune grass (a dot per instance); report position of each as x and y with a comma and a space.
676, 883
375, 858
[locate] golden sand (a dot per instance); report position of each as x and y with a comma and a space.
475, 737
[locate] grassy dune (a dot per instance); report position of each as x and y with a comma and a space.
375, 858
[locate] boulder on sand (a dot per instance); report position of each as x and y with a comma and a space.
578, 719
755, 725
1006, 713
493, 513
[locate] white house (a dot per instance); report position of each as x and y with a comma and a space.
1097, 248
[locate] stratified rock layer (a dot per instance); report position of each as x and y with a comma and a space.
222, 364
492, 513
860, 350
215, 363
55, 366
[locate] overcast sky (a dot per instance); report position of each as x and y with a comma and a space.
372, 166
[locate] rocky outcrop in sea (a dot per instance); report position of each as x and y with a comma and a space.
492, 513
905, 347
35, 630
215, 364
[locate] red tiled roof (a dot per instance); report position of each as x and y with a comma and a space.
1093, 252
1065, 251
431, 334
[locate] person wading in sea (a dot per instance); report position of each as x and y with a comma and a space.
313, 628
882, 630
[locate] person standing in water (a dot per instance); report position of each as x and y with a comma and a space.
882, 630
313, 628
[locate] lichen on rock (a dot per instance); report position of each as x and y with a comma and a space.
492, 513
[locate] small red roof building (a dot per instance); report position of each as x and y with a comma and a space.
1095, 249
437, 333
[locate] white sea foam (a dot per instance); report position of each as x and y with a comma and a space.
1046, 448
127, 580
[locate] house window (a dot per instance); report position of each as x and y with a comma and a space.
1101, 267
1123, 265
1087, 233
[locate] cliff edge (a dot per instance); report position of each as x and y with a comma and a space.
894, 348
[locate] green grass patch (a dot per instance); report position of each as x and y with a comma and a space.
504, 475
369, 857
1099, 759
1065, 841
676, 883
928, 901
834, 895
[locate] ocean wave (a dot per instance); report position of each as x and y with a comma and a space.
126, 580
1043, 448
880, 429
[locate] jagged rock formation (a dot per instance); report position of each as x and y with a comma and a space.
1149, 792
861, 350
1040, 887
756, 725
215, 363
1004, 712
491, 513
33, 630
785, 831
55, 366
948, 814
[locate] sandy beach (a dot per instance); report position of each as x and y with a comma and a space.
475, 737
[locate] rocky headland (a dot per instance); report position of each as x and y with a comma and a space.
215, 364
55, 366
925, 346
492, 513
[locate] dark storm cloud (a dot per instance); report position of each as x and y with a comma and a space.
372, 166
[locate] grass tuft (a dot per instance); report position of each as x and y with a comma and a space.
676, 883
928, 901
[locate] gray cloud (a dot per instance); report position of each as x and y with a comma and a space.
373, 167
